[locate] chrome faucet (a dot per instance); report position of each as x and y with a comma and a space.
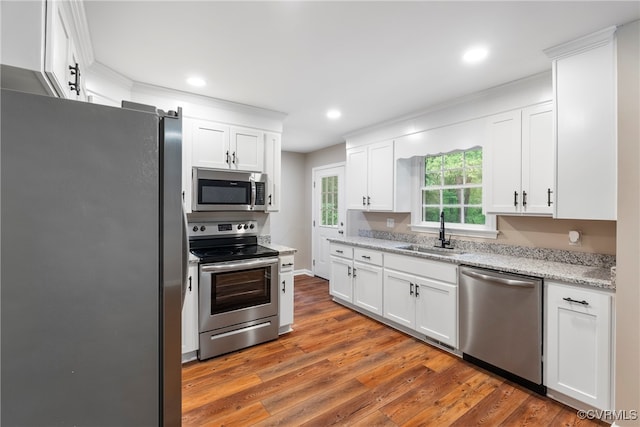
441, 236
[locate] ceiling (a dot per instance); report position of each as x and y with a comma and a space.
374, 61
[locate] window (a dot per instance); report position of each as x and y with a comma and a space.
453, 185
329, 200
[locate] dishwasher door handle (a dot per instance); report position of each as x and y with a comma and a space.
498, 279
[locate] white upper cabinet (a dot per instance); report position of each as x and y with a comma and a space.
218, 146
584, 73
519, 162
63, 66
272, 167
210, 145
372, 178
45, 37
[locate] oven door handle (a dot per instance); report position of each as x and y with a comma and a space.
237, 265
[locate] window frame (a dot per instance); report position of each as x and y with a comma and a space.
487, 230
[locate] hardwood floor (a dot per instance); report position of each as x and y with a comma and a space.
340, 368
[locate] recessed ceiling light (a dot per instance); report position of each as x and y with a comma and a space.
475, 55
196, 81
334, 114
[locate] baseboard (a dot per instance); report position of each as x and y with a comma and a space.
305, 272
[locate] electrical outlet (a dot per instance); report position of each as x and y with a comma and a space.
575, 238
391, 223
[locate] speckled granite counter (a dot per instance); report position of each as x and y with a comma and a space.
284, 250
595, 276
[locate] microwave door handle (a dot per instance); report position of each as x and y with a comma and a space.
253, 194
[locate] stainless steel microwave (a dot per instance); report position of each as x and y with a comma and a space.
215, 190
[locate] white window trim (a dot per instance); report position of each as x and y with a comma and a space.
489, 230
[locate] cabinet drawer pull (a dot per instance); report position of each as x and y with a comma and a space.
339, 251
583, 302
289, 264
549, 197
366, 257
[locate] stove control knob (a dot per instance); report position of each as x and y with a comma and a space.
246, 226
195, 228
239, 226
203, 228
252, 226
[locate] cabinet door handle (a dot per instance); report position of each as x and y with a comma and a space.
524, 198
364, 201
354, 272
189, 283
270, 199
233, 160
227, 157
75, 85
583, 302
515, 198
348, 271
549, 197
417, 290
410, 288
368, 201
284, 283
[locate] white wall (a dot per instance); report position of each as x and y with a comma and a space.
627, 344
289, 226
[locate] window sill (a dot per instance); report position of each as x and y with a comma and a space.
453, 231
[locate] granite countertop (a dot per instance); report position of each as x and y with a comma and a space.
284, 250
599, 277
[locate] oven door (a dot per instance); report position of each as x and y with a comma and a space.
236, 292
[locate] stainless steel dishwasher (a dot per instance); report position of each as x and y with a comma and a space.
501, 324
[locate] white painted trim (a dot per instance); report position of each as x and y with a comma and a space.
581, 44
100, 70
302, 272
82, 36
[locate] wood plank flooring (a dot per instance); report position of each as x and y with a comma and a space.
340, 368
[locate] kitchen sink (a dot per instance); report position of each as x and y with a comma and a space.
429, 250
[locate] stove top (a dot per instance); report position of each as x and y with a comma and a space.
228, 241
229, 253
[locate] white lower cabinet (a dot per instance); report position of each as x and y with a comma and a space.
579, 343
190, 316
428, 305
356, 277
286, 294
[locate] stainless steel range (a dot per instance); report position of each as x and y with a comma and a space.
238, 287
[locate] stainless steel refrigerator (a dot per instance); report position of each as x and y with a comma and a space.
91, 264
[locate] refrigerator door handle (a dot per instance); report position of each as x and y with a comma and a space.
185, 253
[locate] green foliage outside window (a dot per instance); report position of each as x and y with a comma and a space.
329, 197
453, 184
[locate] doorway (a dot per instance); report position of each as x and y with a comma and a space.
329, 214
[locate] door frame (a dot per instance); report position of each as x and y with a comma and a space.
314, 207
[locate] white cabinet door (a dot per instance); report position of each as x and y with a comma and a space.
399, 297
247, 149
357, 167
538, 159
380, 178
340, 285
272, 167
502, 163
437, 310
578, 343
585, 94
367, 287
190, 312
210, 145
286, 300
60, 51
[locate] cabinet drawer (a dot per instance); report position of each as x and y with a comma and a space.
368, 256
340, 250
286, 263
442, 271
